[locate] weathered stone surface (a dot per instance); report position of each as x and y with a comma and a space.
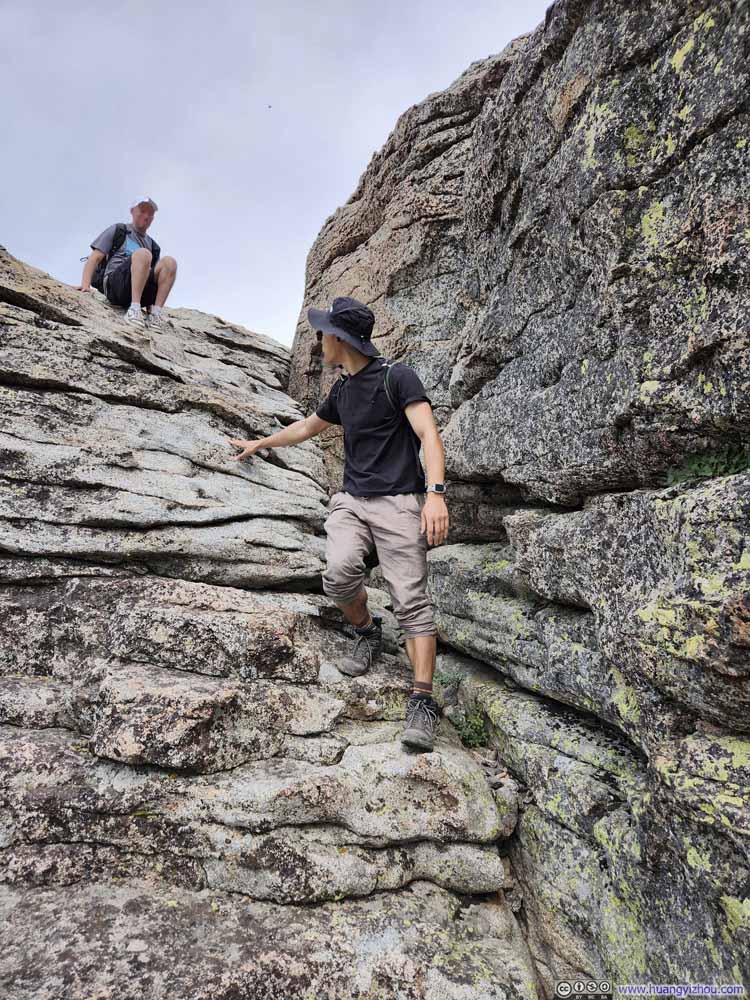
146, 945
277, 828
629, 868
115, 442
169, 722
633, 608
148, 715
559, 243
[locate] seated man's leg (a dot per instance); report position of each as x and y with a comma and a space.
165, 274
140, 266
117, 285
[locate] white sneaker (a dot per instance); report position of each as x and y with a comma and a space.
157, 321
134, 316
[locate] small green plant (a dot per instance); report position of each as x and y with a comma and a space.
448, 677
471, 728
725, 462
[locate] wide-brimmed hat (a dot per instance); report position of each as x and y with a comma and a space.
349, 319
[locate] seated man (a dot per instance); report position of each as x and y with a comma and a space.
134, 276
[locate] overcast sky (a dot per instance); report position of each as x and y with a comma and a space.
105, 102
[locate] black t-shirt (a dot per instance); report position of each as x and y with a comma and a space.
381, 448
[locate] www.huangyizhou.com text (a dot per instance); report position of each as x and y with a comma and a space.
593, 989
680, 989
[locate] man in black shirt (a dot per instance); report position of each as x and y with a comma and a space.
384, 504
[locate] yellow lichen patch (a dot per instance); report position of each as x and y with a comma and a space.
684, 113
648, 388
678, 59
737, 750
624, 698
584, 366
714, 585
593, 122
704, 21
634, 138
691, 647
738, 913
697, 860
652, 222
741, 143
660, 615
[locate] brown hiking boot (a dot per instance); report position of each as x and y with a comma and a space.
367, 649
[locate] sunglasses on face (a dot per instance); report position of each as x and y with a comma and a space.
319, 335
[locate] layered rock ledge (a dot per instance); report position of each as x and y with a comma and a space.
194, 801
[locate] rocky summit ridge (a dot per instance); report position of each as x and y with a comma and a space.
195, 802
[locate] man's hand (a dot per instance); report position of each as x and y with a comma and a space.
84, 288
435, 519
247, 448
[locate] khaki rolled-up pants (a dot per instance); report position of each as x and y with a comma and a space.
390, 524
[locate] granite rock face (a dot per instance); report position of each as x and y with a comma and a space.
194, 801
630, 864
558, 244
114, 443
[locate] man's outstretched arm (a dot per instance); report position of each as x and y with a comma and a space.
89, 267
299, 431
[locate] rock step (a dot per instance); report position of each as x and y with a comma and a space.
285, 829
151, 942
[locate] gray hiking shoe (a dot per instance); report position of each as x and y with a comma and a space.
157, 321
367, 649
134, 317
422, 720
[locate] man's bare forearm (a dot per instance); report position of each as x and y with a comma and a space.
293, 434
88, 269
434, 458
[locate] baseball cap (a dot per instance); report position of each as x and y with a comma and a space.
147, 200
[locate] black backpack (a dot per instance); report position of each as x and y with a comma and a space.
121, 231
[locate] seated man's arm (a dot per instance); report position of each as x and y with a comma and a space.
92, 262
295, 433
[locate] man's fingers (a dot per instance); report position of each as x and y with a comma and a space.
245, 452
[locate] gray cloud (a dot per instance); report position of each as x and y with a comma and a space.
106, 102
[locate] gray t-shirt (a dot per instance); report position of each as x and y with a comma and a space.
133, 241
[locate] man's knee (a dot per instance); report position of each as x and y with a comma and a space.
343, 578
142, 256
168, 265
416, 620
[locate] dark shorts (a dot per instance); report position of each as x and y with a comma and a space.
118, 290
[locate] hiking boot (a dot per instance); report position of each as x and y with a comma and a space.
421, 722
367, 649
134, 317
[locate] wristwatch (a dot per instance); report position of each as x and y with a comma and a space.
436, 488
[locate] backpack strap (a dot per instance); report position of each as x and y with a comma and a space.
388, 365
121, 231
118, 238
